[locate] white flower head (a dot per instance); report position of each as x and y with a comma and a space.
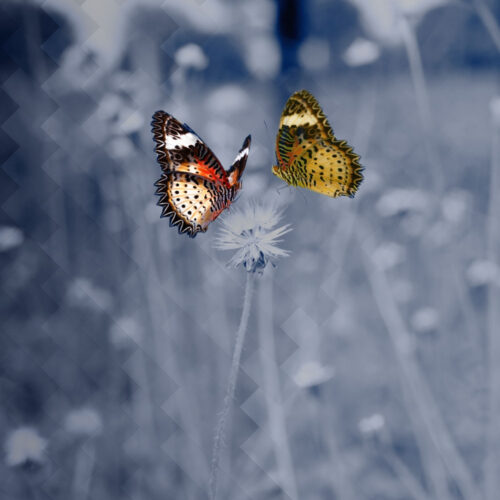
254, 233
361, 52
25, 446
372, 424
313, 374
10, 237
483, 272
191, 56
425, 319
83, 422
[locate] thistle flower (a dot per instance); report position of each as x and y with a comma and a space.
253, 233
25, 447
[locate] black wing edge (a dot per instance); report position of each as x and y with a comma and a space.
240, 161
169, 211
160, 118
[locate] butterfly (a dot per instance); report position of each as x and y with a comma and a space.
194, 187
309, 155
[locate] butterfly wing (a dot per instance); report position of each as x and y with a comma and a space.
236, 170
191, 201
194, 187
309, 155
179, 148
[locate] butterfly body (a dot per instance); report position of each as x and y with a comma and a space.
194, 188
309, 155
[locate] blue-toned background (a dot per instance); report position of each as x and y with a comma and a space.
371, 367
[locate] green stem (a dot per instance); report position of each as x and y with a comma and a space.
231, 386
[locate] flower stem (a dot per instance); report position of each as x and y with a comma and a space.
84, 469
271, 387
489, 21
231, 386
492, 461
431, 430
422, 97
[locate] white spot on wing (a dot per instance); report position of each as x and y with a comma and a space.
241, 154
299, 120
183, 140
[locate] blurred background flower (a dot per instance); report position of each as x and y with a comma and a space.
361, 52
83, 422
82, 292
191, 55
24, 446
312, 374
372, 424
10, 237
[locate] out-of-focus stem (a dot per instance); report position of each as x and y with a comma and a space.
272, 391
84, 468
407, 478
231, 386
423, 102
340, 477
489, 21
415, 386
492, 463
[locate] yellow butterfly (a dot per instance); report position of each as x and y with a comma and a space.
308, 153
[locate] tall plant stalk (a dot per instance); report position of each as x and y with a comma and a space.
489, 21
220, 432
84, 469
272, 391
422, 97
492, 462
419, 397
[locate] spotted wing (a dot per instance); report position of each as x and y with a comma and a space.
192, 201
309, 155
180, 149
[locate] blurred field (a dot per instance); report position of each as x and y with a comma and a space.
369, 366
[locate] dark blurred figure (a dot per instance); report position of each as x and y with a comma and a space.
291, 28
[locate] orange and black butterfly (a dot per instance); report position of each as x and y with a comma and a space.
309, 155
194, 187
